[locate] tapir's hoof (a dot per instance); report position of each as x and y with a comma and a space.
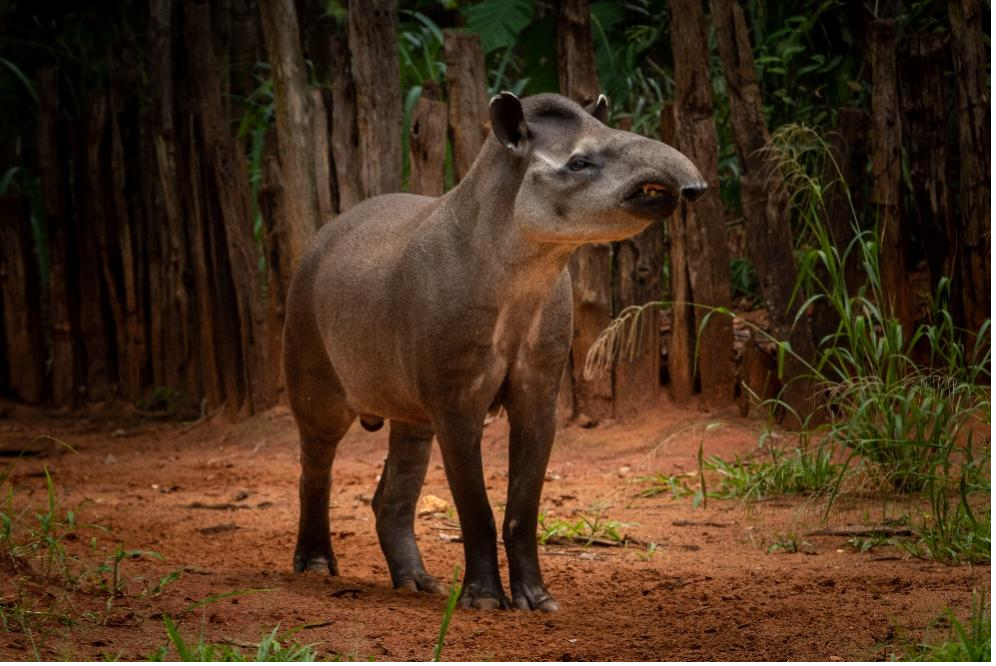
545, 605
481, 598
422, 582
317, 562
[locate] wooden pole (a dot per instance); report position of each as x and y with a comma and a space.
467, 98
427, 140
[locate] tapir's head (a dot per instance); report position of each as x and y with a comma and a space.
585, 182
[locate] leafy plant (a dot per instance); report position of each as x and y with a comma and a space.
788, 543
451, 602
588, 528
271, 647
498, 22
971, 641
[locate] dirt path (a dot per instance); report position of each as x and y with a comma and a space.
708, 591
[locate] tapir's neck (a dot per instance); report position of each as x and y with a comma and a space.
482, 214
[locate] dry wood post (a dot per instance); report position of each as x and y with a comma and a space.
924, 124
886, 146
467, 98
373, 49
591, 265
64, 295
237, 300
294, 109
971, 55
345, 136
322, 157
704, 224
844, 174
681, 344
23, 350
427, 141
763, 196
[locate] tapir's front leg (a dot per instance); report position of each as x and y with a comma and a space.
532, 420
460, 443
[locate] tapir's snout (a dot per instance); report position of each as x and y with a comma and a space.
694, 191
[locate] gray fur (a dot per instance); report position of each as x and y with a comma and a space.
427, 312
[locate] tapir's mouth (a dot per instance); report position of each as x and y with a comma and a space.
651, 199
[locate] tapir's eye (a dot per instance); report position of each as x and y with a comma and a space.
579, 164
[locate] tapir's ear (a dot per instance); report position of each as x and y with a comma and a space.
507, 120
599, 108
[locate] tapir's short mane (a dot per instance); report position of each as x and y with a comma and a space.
551, 106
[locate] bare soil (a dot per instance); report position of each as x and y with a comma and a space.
219, 502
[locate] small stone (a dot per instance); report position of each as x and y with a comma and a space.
110, 459
585, 421
120, 432
430, 504
241, 495
625, 470
834, 657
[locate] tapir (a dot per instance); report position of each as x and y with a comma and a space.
431, 312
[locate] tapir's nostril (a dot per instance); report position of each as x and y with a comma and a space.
694, 191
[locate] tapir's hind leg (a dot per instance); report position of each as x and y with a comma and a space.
314, 544
394, 505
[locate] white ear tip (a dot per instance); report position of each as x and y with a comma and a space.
602, 99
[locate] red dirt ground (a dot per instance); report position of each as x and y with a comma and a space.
710, 591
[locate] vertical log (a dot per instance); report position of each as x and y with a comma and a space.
576, 71
277, 278
427, 140
243, 52
345, 137
320, 148
20, 304
704, 224
294, 108
591, 265
886, 149
236, 290
763, 196
844, 174
971, 58
64, 308
636, 380
681, 345
97, 329
924, 127
467, 92
373, 49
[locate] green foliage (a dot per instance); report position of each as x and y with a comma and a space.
451, 602
270, 648
498, 22
788, 543
971, 641
743, 280
589, 527
797, 471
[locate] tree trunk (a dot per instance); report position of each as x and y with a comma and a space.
681, 345
971, 56
294, 110
844, 174
427, 141
321, 150
345, 135
236, 290
64, 307
924, 125
576, 69
764, 198
636, 380
467, 97
886, 143
704, 223
591, 265
20, 304
373, 49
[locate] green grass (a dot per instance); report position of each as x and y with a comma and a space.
270, 647
587, 528
444, 625
969, 641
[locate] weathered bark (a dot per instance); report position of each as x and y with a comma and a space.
467, 98
243, 52
98, 331
576, 69
64, 306
704, 224
427, 141
763, 197
924, 126
844, 174
681, 345
373, 49
345, 137
886, 148
237, 299
636, 380
971, 56
591, 265
321, 150
277, 280
23, 349
294, 108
